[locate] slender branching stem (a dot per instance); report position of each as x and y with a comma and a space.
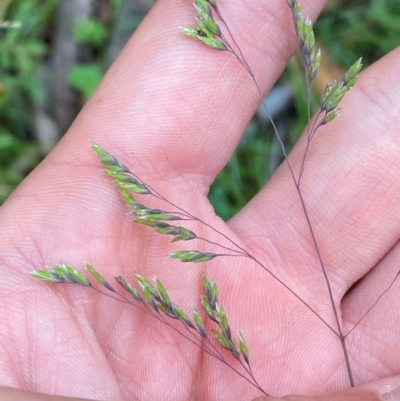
241, 252
296, 295
328, 284
218, 12
193, 337
310, 134
375, 303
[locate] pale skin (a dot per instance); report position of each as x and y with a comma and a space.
173, 111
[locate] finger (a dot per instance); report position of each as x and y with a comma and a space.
174, 106
348, 187
383, 390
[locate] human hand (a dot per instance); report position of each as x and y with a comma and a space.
382, 390
174, 112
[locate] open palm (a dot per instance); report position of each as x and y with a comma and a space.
173, 111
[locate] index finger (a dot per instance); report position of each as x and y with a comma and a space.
172, 102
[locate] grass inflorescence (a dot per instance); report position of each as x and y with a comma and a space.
152, 297
154, 300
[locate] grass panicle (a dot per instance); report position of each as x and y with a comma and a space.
157, 303
154, 299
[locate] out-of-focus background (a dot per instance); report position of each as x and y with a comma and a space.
53, 54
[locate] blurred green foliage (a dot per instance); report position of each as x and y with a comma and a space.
359, 27
367, 28
91, 31
84, 77
22, 50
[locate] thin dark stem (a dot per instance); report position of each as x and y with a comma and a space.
126, 301
339, 333
229, 255
253, 381
310, 135
213, 348
303, 162
245, 253
210, 350
297, 296
242, 60
328, 284
275, 129
249, 371
244, 64
311, 129
347, 359
161, 197
308, 86
232, 38
373, 306
212, 228
317, 122
240, 253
